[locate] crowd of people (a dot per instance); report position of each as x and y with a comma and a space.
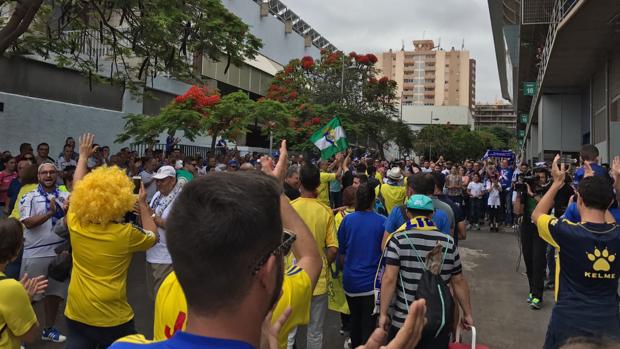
242, 250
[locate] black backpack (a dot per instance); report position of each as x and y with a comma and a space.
439, 303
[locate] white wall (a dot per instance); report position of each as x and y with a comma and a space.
277, 45
34, 120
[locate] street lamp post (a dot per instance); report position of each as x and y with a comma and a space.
430, 144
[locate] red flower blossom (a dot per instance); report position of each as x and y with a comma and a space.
199, 97
307, 62
352, 54
292, 95
315, 121
384, 80
372, 58
362, 59
289, 69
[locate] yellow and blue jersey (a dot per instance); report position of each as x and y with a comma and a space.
588, 270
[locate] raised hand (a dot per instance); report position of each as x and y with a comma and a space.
280, 169
587, 169
558, 171
86, 145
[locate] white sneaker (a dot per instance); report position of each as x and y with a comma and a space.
347, 343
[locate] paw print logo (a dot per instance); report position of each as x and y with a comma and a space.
601, 259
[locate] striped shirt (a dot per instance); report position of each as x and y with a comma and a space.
401, 254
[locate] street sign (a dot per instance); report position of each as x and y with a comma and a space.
529, 88
521, 133
523, 118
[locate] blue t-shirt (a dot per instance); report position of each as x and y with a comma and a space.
598, 171
572, 213
181, 340
587, 284
359, 238
395, 220
12, 192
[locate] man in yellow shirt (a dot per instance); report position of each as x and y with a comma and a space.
228, 255
326, 177
320, 219
299, 281
392, 192
97, 310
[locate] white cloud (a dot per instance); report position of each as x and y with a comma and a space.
376, 26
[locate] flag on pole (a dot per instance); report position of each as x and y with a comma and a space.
330, 139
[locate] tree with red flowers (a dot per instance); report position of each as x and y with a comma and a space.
201, 111
347, 86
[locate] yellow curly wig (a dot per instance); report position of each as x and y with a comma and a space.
105, 195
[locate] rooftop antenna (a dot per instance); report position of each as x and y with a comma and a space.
463, 45
439, 43
402, 42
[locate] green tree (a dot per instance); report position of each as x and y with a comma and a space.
454, 143
143, 38
346, 86
230, 117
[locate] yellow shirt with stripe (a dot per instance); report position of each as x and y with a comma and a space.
97, 294
171, 306
339, 216
16, 314
22, 191
320, 220
323, 188
393, 195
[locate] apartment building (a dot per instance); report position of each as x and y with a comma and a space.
495, 114
431, 76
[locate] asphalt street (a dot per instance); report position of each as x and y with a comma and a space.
498, 292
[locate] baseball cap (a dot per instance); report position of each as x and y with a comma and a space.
420, 202
233, 163
164, 172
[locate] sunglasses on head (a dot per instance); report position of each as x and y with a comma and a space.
283, 249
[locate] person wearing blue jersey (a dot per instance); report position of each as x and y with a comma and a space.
588, 266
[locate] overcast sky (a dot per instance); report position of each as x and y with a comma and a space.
376, 26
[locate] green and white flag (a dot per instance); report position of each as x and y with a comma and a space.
330, 139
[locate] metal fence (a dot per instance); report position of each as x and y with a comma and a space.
536, 11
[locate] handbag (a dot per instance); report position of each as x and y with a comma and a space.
60, 268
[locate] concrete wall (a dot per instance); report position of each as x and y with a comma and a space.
33, 120
277, 45
559, 123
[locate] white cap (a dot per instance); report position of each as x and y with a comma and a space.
164, 172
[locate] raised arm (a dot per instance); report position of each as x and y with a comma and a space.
86, 151
546, 203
